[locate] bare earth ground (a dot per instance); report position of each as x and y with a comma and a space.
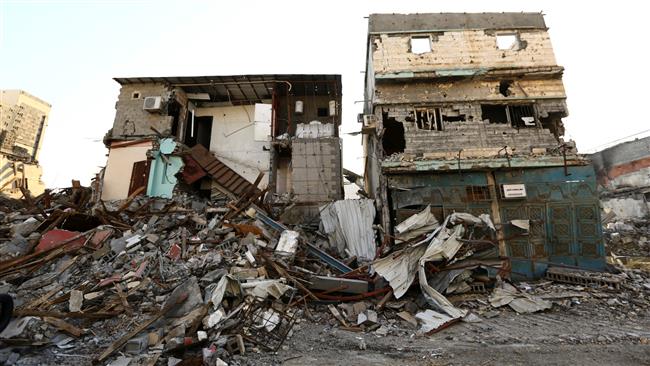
509, 339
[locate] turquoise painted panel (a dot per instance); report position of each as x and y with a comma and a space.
162, 176
563, 211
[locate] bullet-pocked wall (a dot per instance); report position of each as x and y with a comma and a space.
450, 81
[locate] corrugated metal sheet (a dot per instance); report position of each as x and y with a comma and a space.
348, 223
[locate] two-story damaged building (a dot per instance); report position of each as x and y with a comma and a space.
463, 112
221, 132
23, 120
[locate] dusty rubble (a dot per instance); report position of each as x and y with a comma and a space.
154, 281
628, 237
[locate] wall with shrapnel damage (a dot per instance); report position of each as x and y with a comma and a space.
132, 120
464, 72
461, 49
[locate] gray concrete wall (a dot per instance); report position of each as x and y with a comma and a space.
131, 120
316, 170
472, 135
623, 153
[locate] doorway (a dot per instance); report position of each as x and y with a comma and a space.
198, 131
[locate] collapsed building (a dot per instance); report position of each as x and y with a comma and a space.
189, 255
463, 112
277, 132
23, 119
622, 172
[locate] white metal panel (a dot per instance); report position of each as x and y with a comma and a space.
348, 224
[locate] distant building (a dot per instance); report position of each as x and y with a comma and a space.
23, 119
623, 173
463, 112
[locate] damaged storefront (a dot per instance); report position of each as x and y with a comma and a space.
464, 113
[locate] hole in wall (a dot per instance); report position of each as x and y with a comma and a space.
504, 88
420, 44
508, 41
393, 140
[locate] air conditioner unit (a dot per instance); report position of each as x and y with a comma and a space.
152, 104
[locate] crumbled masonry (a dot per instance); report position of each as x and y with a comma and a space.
218, 233
151, 280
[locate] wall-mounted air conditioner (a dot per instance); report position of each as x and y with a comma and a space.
152, 104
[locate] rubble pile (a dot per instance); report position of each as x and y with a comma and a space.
156, 281
629, 238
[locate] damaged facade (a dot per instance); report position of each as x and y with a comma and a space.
23, 119
623, 173
464, 112
277, 132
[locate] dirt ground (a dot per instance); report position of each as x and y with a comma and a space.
509, 339
601, 330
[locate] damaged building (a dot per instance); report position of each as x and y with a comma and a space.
278, 133
23, 119
623, 173
463, 112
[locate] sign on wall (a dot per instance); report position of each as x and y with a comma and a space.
514, 190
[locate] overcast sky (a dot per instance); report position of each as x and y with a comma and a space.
67, 52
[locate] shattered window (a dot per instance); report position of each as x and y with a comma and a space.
428, 119
420, 44
508, 41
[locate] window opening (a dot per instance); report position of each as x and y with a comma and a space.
507, 41
477, 193
428, 119
421, 44
519, 116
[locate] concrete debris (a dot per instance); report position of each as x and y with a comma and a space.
76, 301
288, 242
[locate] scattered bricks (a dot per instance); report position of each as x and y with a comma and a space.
565, 275
478, 287
174, 252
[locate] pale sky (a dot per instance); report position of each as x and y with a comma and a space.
67, 52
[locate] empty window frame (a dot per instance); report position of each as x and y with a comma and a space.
420, 44
508, 41
477, 193
428, 119
519, 115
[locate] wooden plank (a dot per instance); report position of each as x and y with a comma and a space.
64, 326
